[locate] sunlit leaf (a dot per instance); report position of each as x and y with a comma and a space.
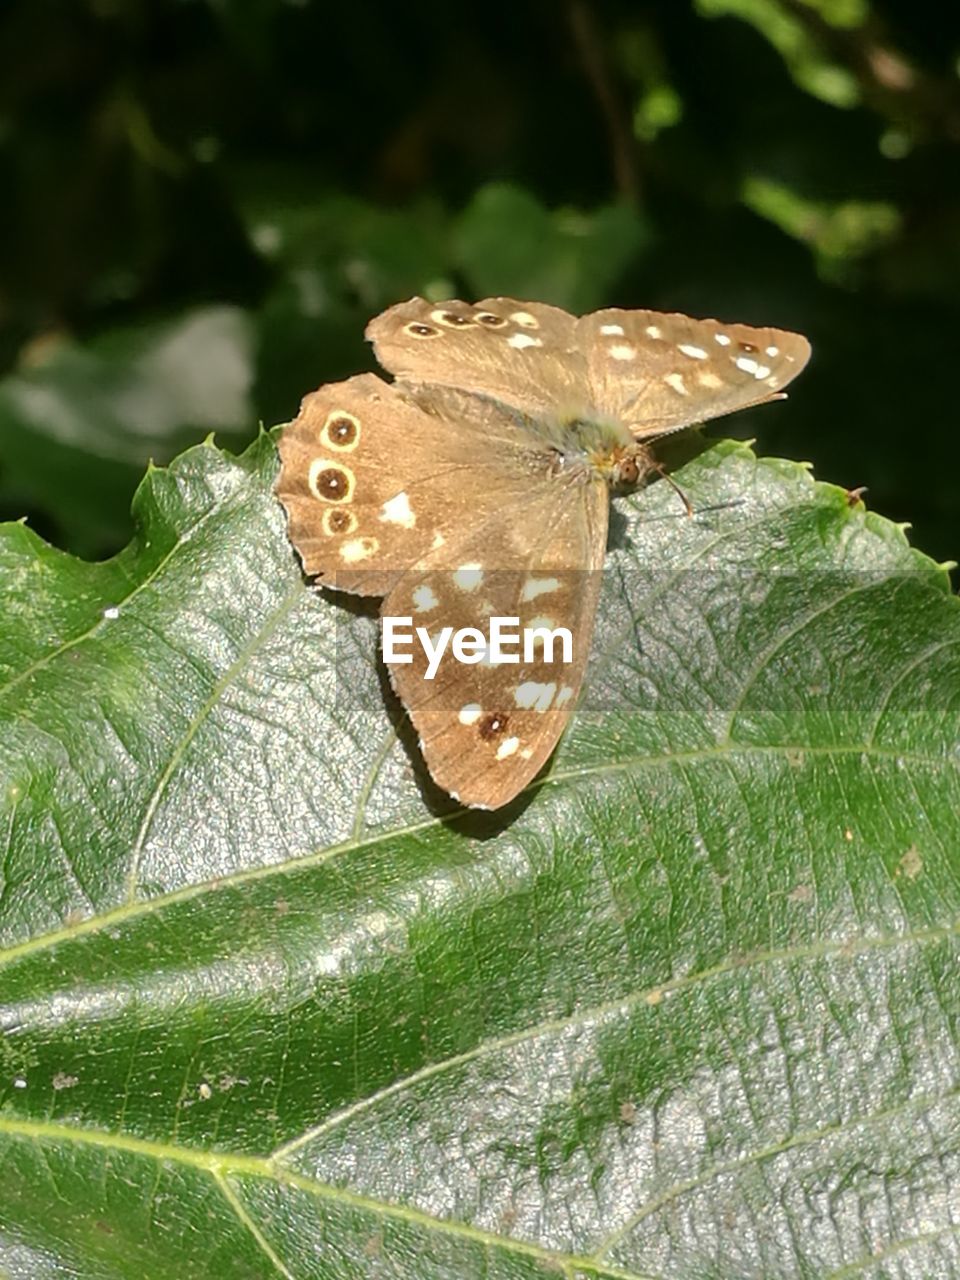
688, 1008
839, 233
807, 61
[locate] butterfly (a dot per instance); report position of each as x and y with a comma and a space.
475, 487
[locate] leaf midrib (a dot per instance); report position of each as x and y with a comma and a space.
624, 764
221, 1165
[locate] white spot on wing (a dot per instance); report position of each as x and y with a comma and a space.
622, 352
653, 331
710, 380
612, 330
521, 340
745, 364
565, 694
468, 577
438, 541
424, 599
762, 372
695, 353
722, 339
470, 713
397, 510
358, 549
534, 587
675, 380
525, 318
532, 695
507, 747
773, 351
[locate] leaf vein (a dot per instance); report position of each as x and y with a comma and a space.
625, 765
845, 948
274, 619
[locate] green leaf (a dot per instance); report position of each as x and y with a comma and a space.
687, 1009
67, 445
839, 234
508, 243
807, 61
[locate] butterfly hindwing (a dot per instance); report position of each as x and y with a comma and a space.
486, 730
372, 484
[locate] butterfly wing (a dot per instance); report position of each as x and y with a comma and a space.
659, 372
486, 730
522, 354
439, 492
372, 483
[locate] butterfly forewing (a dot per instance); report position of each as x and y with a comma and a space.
523, 354
486, 730
658, 372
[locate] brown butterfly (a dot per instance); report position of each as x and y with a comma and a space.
475, 487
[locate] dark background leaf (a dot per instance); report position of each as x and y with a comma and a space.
792, 162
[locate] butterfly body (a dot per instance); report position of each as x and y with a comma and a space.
475, 488
591, 445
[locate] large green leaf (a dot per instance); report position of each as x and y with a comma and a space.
688, 1008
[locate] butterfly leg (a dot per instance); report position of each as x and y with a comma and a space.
661, 471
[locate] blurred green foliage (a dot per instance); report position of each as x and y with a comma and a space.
204, 200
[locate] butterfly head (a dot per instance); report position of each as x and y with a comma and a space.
592, 449
629, 466
621, 466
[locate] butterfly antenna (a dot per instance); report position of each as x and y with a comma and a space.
664, 474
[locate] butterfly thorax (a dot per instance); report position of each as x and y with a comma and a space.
588, 449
